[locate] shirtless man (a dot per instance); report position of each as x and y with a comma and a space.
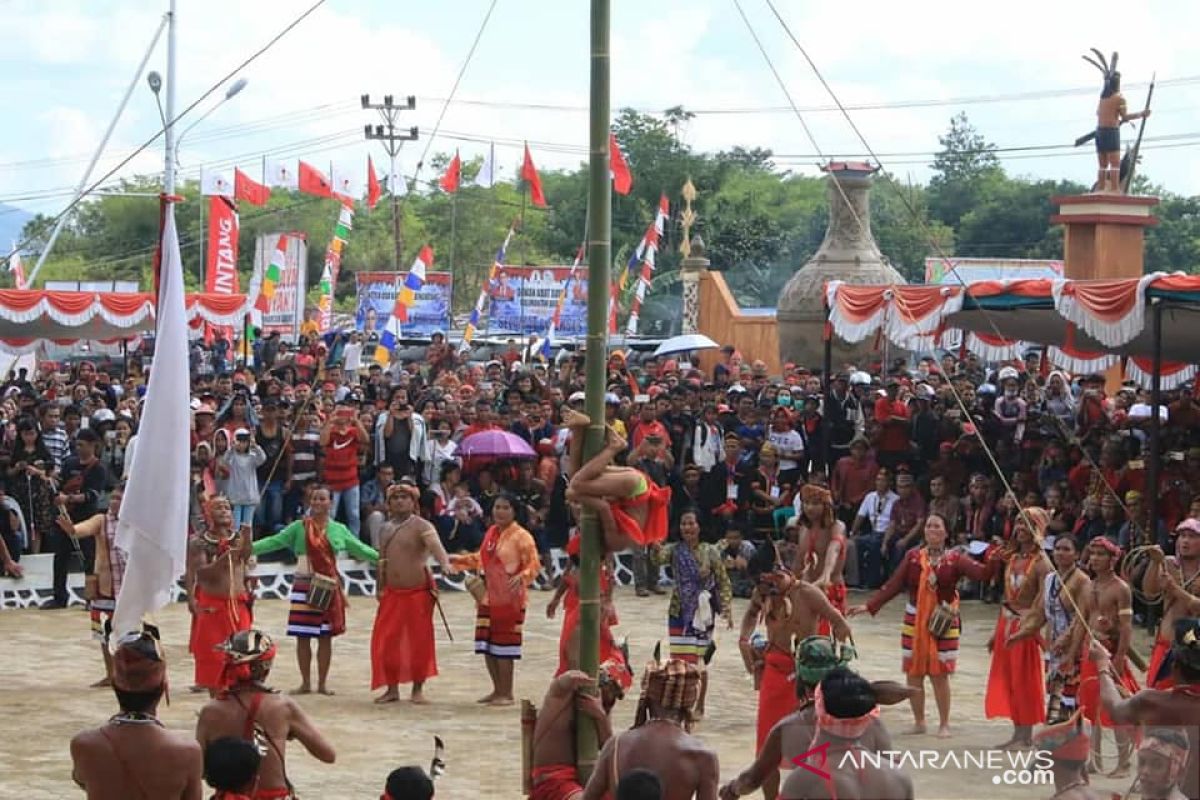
792, 610
402, 648
1177, 706
846, 709
133, 755
218, 597
554, 773
1176, 579
816, 657
821, 553
1108, 611
1069, 745
247, 708
660, 740
1016, 686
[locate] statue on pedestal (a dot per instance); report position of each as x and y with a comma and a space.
1111, 114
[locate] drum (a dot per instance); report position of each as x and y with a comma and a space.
477, 587
321, 590
941, 619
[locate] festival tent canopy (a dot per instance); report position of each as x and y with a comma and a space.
1087, 325
28, 316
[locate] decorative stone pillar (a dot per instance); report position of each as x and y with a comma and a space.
692, 267
694, 263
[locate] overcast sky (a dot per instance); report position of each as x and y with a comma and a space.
1015, 68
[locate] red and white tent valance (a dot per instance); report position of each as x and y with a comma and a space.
28, 316
1111, 312
903, 312
1174, 374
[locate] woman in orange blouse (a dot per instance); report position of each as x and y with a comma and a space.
929, 575
508, 559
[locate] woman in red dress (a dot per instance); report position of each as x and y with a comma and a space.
930, 575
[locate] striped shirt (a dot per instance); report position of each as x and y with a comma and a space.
58, 444
306, 445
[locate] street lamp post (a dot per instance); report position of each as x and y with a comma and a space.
230, 93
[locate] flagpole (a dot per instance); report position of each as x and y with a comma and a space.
524, 194
453, 249
599, 225
203, 266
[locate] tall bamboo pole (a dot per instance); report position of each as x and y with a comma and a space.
599, 223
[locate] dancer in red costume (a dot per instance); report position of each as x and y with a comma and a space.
821, 554
1178, 706
637, 507
1108, 614
792, 611
567, 594
1015, 687
1176, 578
930, 575
217, 593
554, 776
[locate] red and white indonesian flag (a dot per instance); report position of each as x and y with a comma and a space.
216, 183
152, 528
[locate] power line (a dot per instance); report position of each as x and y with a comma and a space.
214, 87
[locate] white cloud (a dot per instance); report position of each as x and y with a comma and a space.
697, 54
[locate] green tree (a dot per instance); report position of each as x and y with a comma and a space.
964, 171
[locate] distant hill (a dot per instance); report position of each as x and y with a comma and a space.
12, 220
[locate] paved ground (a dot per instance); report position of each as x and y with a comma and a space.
48, 660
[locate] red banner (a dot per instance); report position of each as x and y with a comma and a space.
221, 269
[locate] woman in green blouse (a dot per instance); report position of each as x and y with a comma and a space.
316, 540
702, 593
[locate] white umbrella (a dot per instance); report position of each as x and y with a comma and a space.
685, 343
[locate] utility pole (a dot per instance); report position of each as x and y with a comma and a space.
392, 142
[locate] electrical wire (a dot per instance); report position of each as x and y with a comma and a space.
906, 201
207, 93
453, 90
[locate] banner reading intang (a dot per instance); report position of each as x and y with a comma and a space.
377, 297
522, 300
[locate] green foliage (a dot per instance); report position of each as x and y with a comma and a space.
758, 223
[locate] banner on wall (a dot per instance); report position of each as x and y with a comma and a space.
285, 310
377, 297
521, 300
956, 271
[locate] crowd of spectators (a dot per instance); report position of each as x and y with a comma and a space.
734, 442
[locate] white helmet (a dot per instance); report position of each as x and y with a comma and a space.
1008, 373
860, 378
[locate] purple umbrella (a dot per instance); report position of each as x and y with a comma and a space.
495, 444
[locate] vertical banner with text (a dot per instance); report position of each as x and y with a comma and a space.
221, 275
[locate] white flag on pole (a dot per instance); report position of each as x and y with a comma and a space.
282, 174
215, 182
345, 182
397, 184
486, 177
152, 529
